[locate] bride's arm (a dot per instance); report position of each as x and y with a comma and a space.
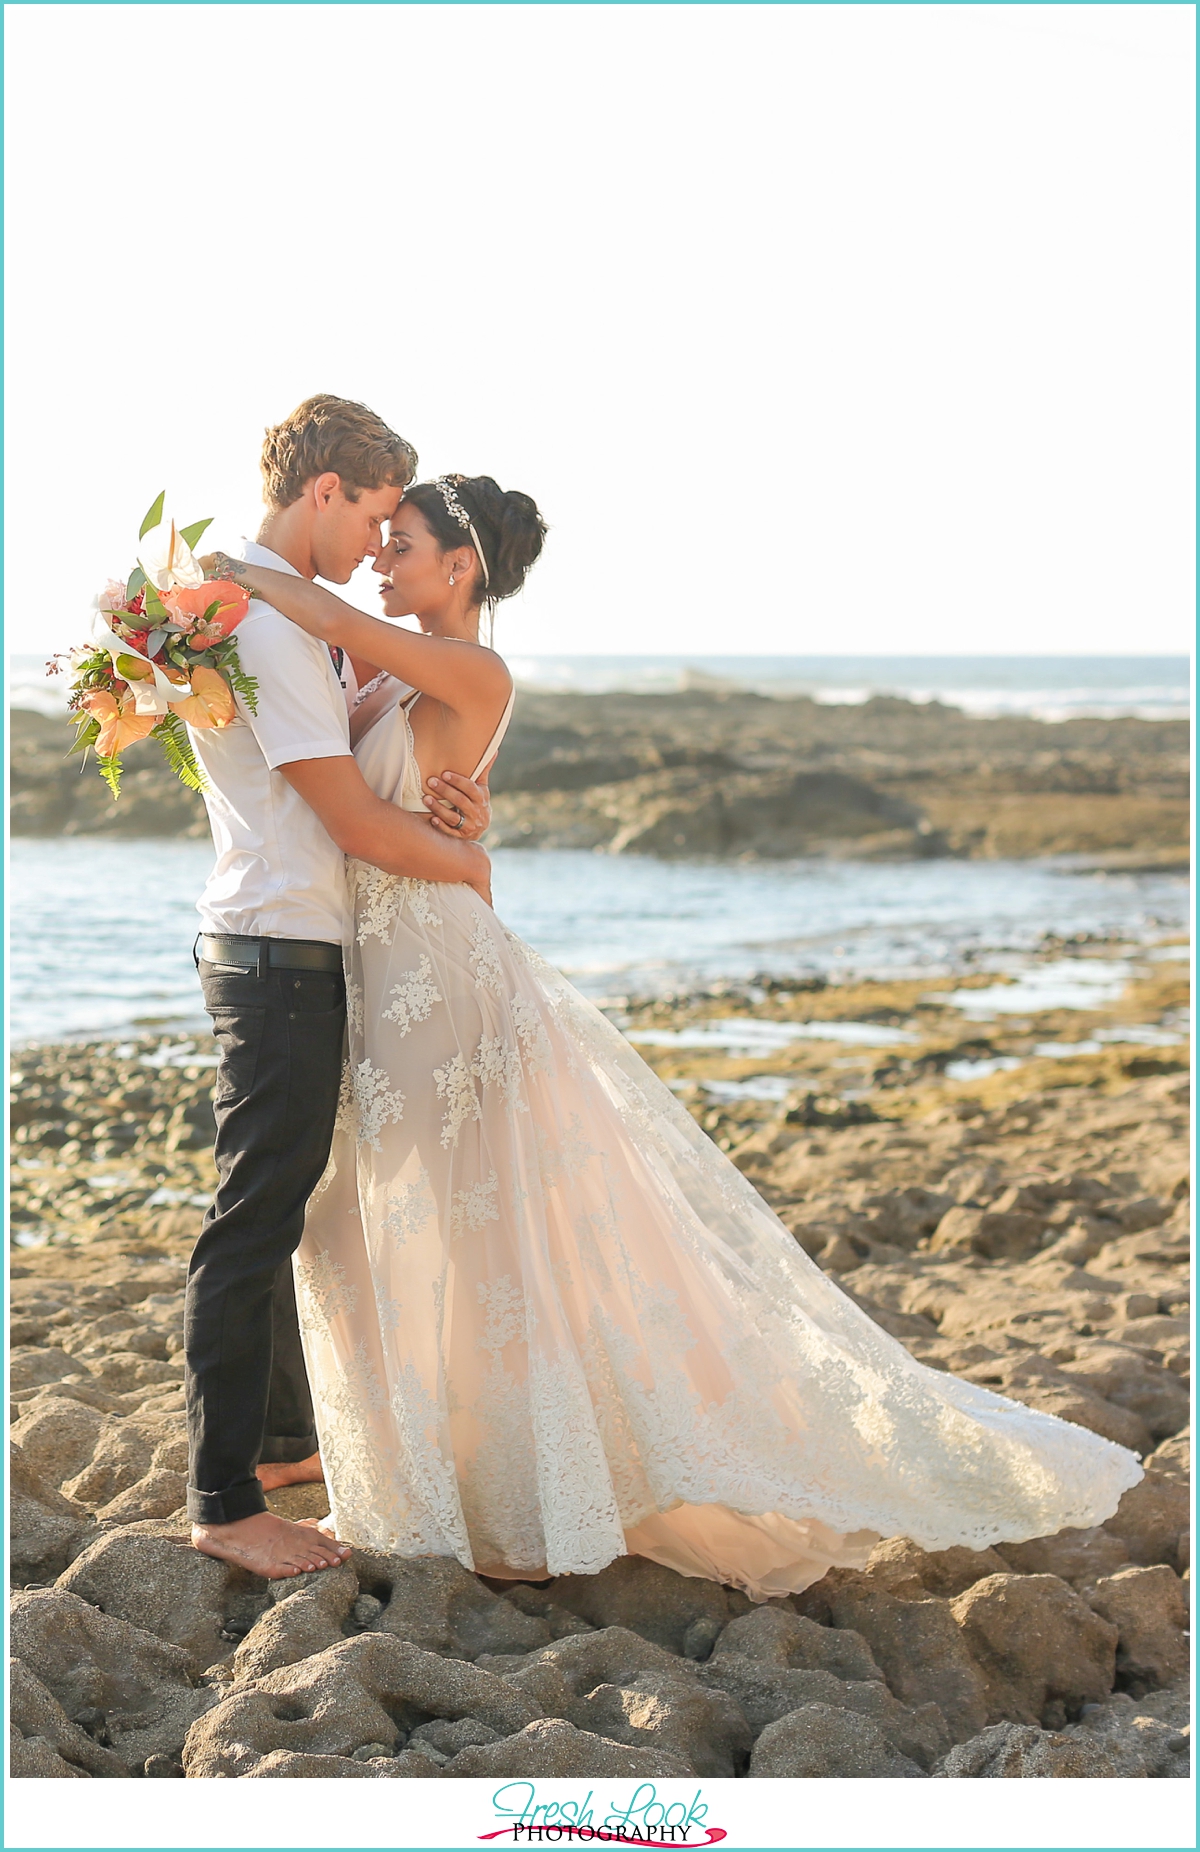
456, 674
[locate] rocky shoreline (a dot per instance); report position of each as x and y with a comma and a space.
726, 772
1006, 1195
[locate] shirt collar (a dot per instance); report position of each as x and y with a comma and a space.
255, 554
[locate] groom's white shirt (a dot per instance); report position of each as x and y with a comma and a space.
278, 872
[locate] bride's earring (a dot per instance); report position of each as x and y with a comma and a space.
452, 578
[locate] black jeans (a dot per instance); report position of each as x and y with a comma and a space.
280, 1037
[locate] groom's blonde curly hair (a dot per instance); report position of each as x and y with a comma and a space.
330, 434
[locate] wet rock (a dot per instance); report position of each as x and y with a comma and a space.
819, 1742
776, 1636
365, 1690
553, 1748
920, 1648
1151, 1518
643, 1597
1038, 1644
1013, 1751
1076, 1556
441, 1607
169, 1590
36, 1712
94, 1663
1149, 1609
705, 1729
58, 1437
47, 1530
303, 1620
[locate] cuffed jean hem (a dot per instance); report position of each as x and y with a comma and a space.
240, 1501
284, 1451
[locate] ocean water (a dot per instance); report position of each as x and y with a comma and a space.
102, 930
1048, 687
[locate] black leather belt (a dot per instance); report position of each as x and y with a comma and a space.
258, 954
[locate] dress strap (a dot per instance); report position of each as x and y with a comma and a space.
494, 743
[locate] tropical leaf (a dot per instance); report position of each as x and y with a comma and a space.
134, 583
110, 771
155, 641
171, 735
88, 733
154, 604
239, 681
154, 515
192, 534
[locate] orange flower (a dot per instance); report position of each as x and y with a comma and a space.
188, 603
120, 725
211, 702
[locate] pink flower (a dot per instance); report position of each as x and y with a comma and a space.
112, 598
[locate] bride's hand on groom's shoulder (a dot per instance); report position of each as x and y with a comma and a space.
459, 806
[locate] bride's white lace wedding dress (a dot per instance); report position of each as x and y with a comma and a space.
547, 1322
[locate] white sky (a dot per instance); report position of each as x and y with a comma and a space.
811, 328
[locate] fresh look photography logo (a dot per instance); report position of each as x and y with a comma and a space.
533, 1817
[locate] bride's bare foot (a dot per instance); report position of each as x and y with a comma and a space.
270, 1546
274, 1473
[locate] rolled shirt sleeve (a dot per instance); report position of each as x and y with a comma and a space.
301, 712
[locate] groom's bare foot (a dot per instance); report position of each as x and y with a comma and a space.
270, 1546
274, 1473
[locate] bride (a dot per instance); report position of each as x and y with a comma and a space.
546, 1321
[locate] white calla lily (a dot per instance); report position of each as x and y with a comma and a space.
166, 558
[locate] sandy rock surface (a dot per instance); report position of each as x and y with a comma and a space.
1028, 1230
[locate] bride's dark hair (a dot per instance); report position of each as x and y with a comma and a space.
510, 529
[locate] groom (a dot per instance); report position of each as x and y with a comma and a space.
287, 803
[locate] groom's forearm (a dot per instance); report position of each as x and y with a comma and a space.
401, 842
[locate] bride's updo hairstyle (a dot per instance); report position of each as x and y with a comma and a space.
508, 527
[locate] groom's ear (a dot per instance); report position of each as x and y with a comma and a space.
324, 488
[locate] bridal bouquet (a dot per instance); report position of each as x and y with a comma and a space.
162, 655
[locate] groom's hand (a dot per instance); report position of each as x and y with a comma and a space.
458, 806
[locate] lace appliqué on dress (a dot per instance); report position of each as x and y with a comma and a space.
497, 1064
475, 1206
531, 1033
377, 1103
455, 1086
414, 997
322, 1284
485, 957
409, 1208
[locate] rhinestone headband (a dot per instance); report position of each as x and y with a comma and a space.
454, 508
